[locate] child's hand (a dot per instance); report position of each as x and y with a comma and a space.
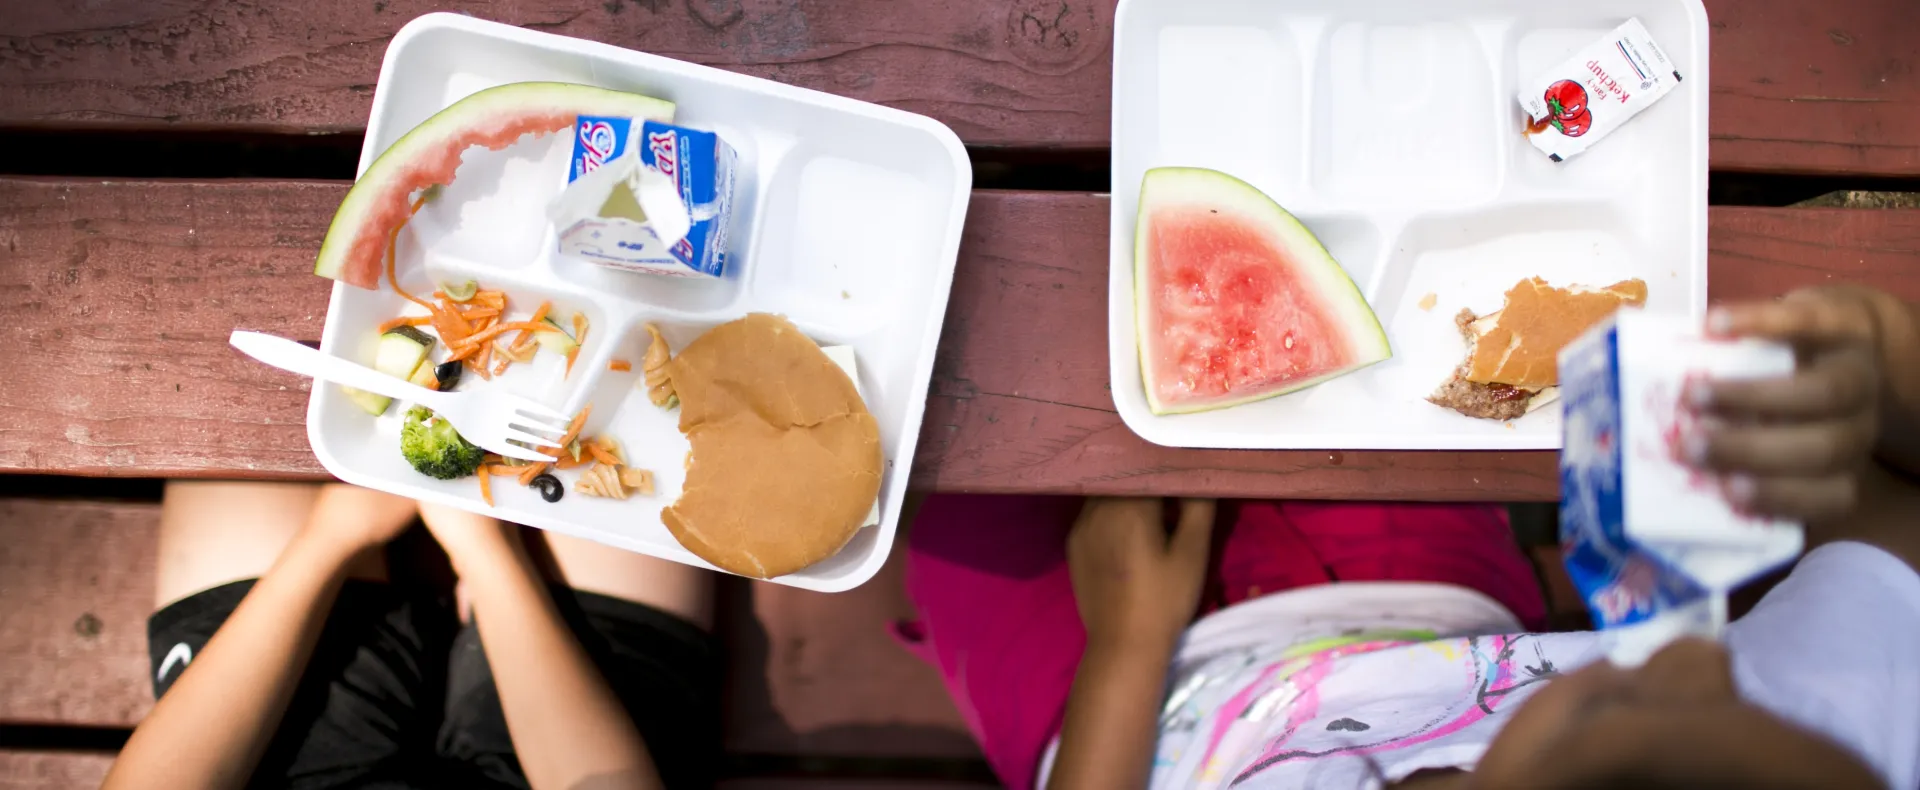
1795, 447
1134, 582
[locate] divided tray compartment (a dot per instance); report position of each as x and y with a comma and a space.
847, 221
1392, 130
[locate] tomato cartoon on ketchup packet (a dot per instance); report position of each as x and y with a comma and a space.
1584, 99
1650, 542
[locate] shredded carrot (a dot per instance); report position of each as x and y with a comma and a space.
580, 328
569, 462
527, 475
486, 489
393, 241
501, 470
527, 334
600, 454
502, 367
480, 362
499, 329
449, 324
464, 354
405, 320
573, 432
571, 354
479, 312
494, 299
620, 365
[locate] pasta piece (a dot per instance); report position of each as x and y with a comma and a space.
614, 481
654, 371
639, 480
601, 480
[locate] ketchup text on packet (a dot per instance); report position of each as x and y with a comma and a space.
1607, 81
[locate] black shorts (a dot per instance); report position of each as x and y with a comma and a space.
398, 694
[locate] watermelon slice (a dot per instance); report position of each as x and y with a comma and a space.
428, 155
1236, 300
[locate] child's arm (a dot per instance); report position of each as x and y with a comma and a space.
1112, 717
1137, 587
211, 728
567, 726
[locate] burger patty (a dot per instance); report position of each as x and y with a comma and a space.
1486, 401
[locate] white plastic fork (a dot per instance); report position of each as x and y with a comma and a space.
490, 417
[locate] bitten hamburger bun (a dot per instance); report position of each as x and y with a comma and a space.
786, 458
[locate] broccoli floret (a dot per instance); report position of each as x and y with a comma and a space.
435, 448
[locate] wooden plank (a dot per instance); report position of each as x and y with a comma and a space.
1824, 87
1828, 87
76, 586
124, 305
129, 289
1022, 72
53, 770
817, 674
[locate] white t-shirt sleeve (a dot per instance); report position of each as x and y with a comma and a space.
1835, 648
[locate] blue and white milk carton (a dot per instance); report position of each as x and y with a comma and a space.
647, 196
1651, 543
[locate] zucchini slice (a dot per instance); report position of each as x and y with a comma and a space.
399, 354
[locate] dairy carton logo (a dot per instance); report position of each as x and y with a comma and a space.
666, 153
597, 141
1631, 594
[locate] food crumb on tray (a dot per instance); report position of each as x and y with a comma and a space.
1427, 302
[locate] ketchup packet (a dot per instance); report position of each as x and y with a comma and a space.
1651, 543
1584, 99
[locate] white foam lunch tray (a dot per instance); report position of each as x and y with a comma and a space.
847, 221
1391, 129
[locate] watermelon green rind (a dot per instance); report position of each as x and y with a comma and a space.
1175, 186
429, 154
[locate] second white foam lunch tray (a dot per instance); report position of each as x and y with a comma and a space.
1391, 129
847, 221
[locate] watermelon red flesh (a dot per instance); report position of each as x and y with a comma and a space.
1237, 301
1229, 313
355, 247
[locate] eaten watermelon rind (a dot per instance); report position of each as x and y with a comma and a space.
429, 154
1177, 186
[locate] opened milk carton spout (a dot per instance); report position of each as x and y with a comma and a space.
647, 197
1650, 542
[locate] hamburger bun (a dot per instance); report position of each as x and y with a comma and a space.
786, 459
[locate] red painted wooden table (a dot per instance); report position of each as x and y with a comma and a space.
120, 291
167, 169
